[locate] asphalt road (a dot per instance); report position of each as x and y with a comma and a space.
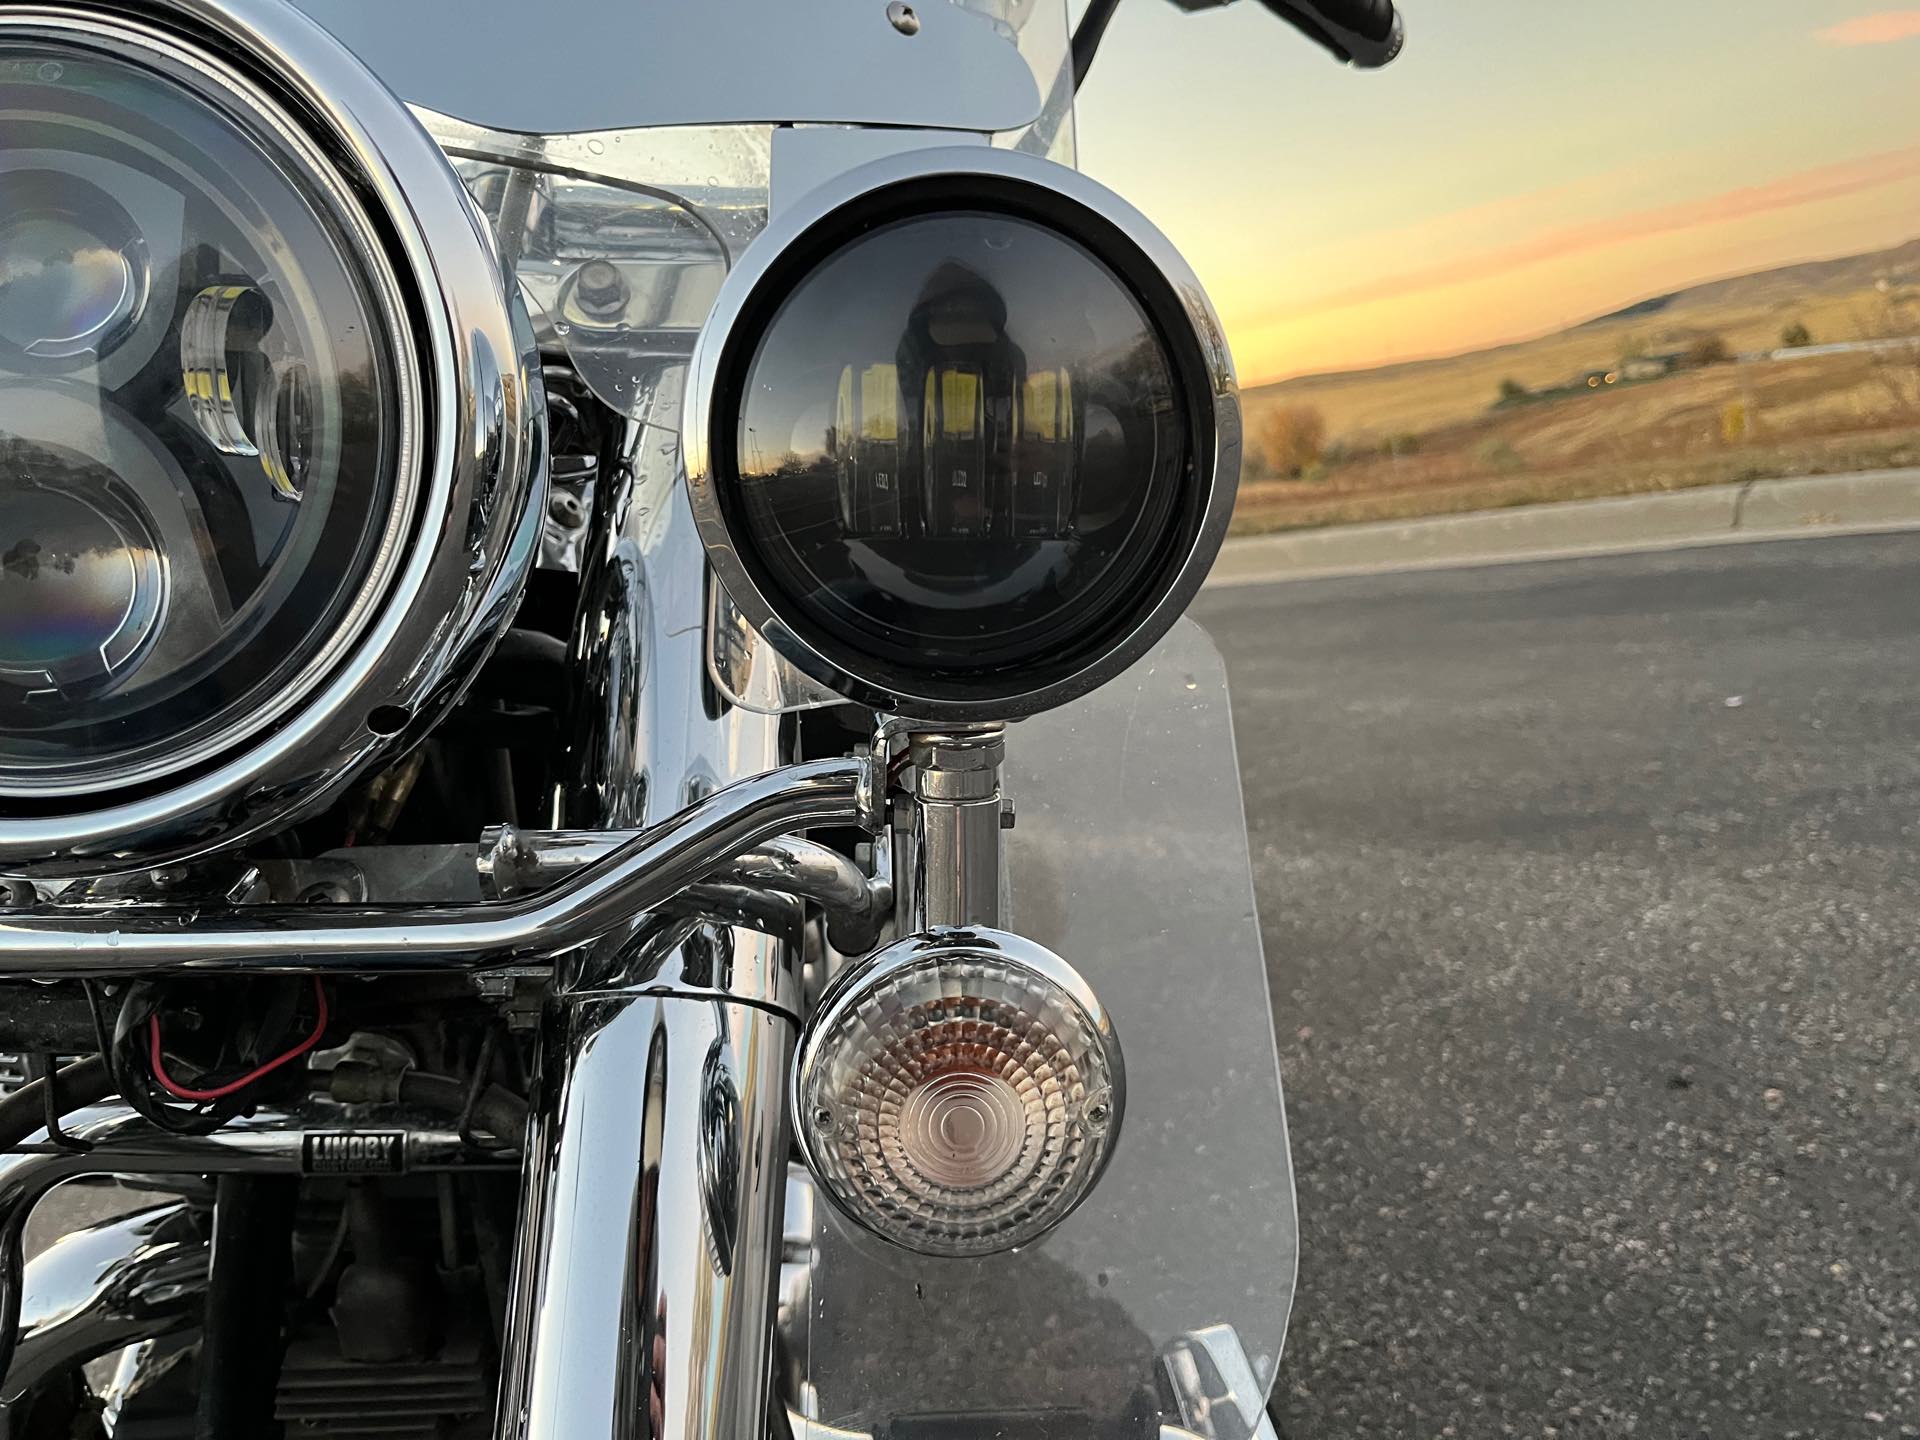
1591, 893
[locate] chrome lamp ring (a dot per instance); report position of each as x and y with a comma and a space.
1081, 209
454, 555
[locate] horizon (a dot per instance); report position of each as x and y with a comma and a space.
1612, 312
1515, 174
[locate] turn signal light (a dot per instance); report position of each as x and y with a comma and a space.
959, 1092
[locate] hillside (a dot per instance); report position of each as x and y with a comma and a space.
1427, 437
1835, 299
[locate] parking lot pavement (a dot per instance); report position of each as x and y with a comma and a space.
1589, 893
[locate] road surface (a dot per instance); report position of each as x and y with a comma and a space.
1591, 893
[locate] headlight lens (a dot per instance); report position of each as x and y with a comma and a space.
963, 434
207, 411
73, 267
960, 443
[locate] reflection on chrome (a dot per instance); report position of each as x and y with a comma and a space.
107, 1286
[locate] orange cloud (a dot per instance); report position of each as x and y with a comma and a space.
1879, 29
1807, 187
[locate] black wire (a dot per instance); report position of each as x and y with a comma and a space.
134, 1079
86, 1082
482, 1067
54, 1111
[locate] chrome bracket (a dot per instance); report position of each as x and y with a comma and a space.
959, 814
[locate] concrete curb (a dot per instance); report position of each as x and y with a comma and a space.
1801, 508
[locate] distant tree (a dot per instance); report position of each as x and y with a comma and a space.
1796, 335
1512, 392
1708, 350
1291, 438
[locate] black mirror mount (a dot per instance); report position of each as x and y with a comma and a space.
1363, 33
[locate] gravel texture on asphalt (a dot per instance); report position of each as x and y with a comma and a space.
1592, 904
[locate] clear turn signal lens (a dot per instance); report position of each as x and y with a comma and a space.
959, 1092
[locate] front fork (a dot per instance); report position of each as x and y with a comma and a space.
650, 1233
650, 1236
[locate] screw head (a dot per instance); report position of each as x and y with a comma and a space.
902, 17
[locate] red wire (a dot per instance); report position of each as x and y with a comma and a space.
181, 1092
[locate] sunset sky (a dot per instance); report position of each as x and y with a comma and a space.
1526, 164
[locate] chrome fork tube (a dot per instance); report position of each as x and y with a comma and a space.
650, 1228
651, 1232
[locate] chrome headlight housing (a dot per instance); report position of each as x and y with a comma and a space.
270, 446
962, 434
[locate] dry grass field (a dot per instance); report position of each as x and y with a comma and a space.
1432, 438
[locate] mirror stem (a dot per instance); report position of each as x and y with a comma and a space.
1087, 36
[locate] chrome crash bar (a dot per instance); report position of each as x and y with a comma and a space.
516, 862
651, 868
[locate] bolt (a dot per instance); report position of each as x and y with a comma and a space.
565, 511
1006, 815
902, 18
601, 290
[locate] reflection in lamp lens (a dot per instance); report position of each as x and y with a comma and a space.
73, 272
82, 589
221, 364
285, 427
209, 385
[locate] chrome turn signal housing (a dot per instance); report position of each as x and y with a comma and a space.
959, 1092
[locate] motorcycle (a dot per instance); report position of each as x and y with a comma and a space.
610, 823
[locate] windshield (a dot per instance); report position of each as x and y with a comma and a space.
1181, 1259
620, 238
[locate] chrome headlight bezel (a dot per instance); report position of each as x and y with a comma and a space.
969, 177
465, 528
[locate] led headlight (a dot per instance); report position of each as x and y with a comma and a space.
248, 521
963, 436
256, 586
959, 1092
